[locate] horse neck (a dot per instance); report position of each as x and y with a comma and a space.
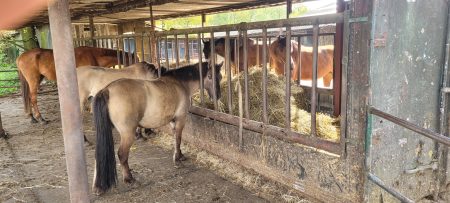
189, 82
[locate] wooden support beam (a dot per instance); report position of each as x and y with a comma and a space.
59, 16
2, 131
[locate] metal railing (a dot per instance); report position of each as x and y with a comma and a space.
403, 123
158, 52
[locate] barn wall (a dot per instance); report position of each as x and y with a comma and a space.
405, 81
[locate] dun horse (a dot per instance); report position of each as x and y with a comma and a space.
38, 63
277, 53
94, 78
127, 104
254, 52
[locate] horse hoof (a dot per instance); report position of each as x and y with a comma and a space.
179, 157
33, 120
43, 121
97, 191
129, 180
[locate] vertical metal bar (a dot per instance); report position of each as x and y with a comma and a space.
2, 131
228, 69
91, 31
142, 48
287, 70
187, 56
264, 79
177, 52
128, 43
166, 52
237, 54
343, 121
257, 52
59, 16
314, 79
245, 62
299, 62
202, 89
212, 65
118, 52
135, 54
158, 54
124, 56
150, 49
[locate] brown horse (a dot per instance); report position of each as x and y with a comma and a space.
95, 78
38, 63
277, 53
254, 51
128, 103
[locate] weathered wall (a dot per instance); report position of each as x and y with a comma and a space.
317, 174
405, 81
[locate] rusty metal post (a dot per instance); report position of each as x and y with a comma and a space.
92, 31
199, 48
245, 63
142, 47
287, 70
59, 16
158, 55
228, 69
187, 56
177, 51
213, 64
264, 79
314, 79
166, 52
118, 53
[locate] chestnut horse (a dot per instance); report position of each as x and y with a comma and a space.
35, 64
277, 53
253, 51
129, 103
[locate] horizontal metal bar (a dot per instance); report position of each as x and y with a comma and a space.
310, 20
10, 80
425, 132
9, 87
391, 191
5, 71
446, 90
275, 131
358, 20
192, 31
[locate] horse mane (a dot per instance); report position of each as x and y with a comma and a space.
186, 73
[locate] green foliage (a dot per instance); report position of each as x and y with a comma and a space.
253, 15
7, 62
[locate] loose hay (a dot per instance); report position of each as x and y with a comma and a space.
327, 126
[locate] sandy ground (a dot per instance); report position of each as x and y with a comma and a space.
32, 165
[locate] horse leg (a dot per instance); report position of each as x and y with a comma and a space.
177, 128
126, 140
33, 98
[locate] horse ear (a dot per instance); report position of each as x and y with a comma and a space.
219, 66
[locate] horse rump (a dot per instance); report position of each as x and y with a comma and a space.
106, 173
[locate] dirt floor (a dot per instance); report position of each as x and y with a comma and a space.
32, 165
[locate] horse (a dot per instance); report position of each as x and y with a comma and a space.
254, 51
95, 78
129, 103
35, 64
277, 53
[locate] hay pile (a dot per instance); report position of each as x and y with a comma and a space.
327, 127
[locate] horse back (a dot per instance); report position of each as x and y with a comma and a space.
36, 62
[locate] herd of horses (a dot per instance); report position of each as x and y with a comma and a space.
135, 97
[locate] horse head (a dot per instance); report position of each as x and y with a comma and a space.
209, 81
206, 48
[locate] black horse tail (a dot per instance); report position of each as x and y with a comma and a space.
104, 152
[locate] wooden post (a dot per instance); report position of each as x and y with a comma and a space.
59, 16
153, 41
92, 31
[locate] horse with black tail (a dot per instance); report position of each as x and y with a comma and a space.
129, 103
